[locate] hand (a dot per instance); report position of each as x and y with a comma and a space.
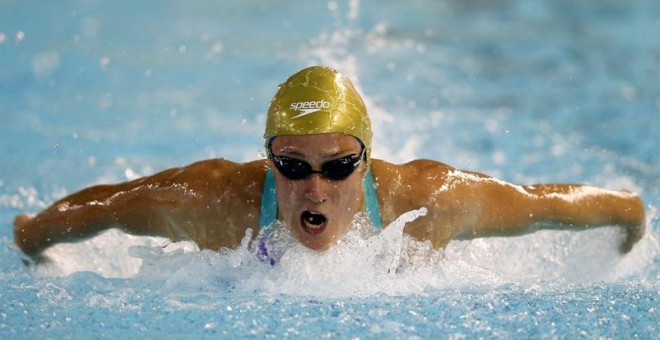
632, 234
35, 260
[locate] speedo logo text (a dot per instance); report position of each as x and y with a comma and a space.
309, 107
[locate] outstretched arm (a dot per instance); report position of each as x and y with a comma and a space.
131, 206
466, 205
197, 202
506, 209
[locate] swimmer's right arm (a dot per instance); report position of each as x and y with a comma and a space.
130, 206
181, 203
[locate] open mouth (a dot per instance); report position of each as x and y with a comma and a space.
313, 223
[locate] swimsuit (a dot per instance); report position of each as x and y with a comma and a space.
268, 211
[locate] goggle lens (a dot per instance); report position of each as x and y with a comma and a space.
335, 169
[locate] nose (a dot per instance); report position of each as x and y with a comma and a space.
316, 188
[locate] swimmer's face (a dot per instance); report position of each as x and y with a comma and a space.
318, 210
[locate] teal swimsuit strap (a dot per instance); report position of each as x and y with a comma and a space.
268, 212
371, 197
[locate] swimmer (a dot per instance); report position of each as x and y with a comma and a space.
318, 175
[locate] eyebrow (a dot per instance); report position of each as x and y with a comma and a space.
291, 151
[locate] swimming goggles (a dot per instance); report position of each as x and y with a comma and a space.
335, 169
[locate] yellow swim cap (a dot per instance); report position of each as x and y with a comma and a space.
318, 100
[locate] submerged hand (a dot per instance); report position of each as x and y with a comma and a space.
632, 234
35, 260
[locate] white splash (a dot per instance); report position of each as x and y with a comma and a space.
363, 263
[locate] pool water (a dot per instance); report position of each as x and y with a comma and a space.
535, 91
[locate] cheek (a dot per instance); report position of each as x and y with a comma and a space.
287, 194
348, 196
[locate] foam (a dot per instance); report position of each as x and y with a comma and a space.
363, 263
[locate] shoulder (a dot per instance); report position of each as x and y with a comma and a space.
222, 171
419, 183
411, 172
220, 167
404, 187
211, 175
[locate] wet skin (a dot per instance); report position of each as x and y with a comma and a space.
316, 209
213, 202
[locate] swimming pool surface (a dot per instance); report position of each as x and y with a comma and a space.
527, 91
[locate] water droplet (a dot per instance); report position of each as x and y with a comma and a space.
20, 36
104, 62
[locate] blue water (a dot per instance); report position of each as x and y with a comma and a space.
535, 91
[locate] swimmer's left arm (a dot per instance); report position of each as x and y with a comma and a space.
504, 209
